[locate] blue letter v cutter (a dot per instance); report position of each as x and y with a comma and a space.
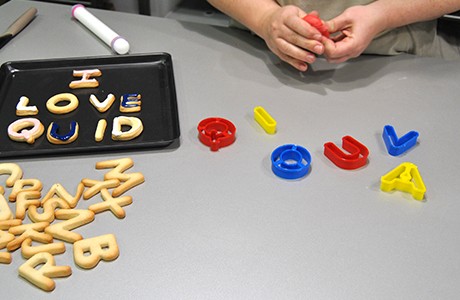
397, 146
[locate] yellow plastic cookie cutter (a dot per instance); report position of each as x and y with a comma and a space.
265, 120
405, 178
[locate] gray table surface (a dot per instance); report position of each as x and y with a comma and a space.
221, 225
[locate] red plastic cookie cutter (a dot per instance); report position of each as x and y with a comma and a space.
356, 158
316, 22
216, 132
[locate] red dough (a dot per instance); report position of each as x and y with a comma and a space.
316, 22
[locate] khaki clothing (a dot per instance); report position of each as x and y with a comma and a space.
419, 38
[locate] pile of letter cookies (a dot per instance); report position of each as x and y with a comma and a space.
30, 128
58, 204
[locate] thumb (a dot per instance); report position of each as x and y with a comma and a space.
337, 24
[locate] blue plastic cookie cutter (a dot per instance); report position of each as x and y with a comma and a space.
397, 146
290, 161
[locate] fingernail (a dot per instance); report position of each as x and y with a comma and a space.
318, 49
317, 36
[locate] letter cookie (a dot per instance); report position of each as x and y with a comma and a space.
99, 248
42, 277
95, 186
55, 138
85, 81
22, 108
21, 184
5, 211
135, 130
127, 180
111, 203
49, 208
5, 238
18, 130
27, 250
61, 193
104, 106
100, 130
130, 103
33, 231
52, 102
5, 258
24, 200
74, 218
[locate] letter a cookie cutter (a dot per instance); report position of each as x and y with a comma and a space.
397, 146
405, 178
356, 158
216, 132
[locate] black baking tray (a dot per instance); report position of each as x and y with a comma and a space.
151, 75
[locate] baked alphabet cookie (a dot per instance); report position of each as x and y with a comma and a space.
56, 138
86, 81
23, 108
40, 268
25, 130
103, 106
134, 124
130, 103
89, 252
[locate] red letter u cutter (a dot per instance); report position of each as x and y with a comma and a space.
356, 158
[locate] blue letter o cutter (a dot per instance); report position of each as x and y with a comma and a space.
290, 161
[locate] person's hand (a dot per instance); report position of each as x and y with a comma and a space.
291, 38
354, 30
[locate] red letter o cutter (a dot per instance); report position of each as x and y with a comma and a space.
356, 158
216, 133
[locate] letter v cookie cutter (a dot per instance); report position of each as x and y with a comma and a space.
356, 158
397, 146
405, 178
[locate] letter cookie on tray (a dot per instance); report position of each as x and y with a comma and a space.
55, 138
72, 104
19, 130
103, 106
135, 130
130, 102
100, 130
86, 81
22, 108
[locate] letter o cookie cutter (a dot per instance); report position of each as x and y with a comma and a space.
216, 132
290, 161
60, 110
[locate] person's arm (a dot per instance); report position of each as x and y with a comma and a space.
286, 34
358, 25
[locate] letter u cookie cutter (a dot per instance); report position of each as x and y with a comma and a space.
216, 132
405, 178
356, 158
397, 146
